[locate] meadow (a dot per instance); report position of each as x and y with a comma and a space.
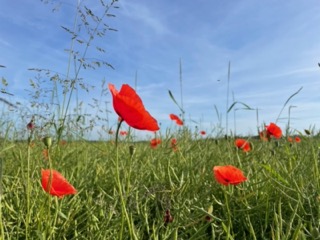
162, 192
182, 184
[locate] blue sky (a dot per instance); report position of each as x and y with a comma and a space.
273, 47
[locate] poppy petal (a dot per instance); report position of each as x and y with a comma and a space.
128, 105
176, 119
229, 174
55, 184
243, 144
274, 130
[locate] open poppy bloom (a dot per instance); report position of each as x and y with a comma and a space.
128, 105
242, 144
297, 139
155, 142
55, 184
228, 174
176, 119
274, 130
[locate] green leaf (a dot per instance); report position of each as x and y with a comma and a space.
236, 102
274, 173
287, 102
174, 100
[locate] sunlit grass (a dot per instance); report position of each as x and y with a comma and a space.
280, 199
162, 189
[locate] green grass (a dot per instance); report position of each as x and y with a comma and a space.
280, 200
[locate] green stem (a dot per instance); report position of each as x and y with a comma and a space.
55, 217
49, 196
117, 134
124, 213
28, 190
228, 213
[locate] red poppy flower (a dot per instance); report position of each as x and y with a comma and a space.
123, 133
55, 184
129, 107
226, 175
297, 139
155, 142
174, 144
290, 139
176, 119
242, 144
30, 125
203, 132
274, 130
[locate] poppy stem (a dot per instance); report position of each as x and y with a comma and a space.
28, 189
117, 132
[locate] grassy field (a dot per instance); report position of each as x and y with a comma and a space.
161, 192
163, 189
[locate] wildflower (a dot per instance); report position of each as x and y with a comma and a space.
155, 142
297, 139
229, 174
168, 218
174, 144
242, 144
128, 105
30, 125
123, 133
176, 119
63, 143
274, 130
132, 150
55, 184
203, 133
47, 141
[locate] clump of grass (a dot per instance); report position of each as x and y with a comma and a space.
279, 200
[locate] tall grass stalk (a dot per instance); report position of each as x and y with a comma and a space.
124, 214
227, 100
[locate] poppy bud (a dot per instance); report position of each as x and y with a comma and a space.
168, 217
315, 233
47, 141
132, 150
30, 125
